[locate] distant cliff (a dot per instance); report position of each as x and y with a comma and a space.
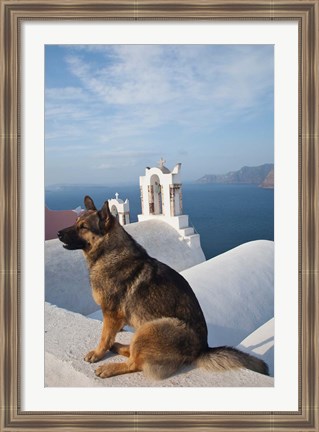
268, 183
246, 175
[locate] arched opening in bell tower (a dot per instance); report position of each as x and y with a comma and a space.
156, 197
115, 212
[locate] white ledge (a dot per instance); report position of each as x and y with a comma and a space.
65, 367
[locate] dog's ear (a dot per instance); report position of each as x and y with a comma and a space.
89, 204
106, 218
105, 211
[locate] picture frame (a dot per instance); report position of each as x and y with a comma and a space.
13, 13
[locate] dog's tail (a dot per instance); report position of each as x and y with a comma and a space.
225, 358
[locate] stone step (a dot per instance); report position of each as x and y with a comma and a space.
186, 231
193, 240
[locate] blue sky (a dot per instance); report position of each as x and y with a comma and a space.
112, 110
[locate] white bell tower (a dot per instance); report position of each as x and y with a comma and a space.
120, 209
161, 198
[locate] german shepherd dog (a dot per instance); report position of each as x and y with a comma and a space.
136, 290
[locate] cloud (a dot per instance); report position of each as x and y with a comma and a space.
115, 166
131, 78
124, 158
124, 153
131, 101
66, 94
150, 74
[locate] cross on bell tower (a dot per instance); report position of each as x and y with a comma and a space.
161, 163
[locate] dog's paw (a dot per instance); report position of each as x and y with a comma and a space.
108, 370
93, 356
102, 371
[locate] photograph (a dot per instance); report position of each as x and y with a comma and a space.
159, 192
159, 215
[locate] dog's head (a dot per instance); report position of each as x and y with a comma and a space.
89, 227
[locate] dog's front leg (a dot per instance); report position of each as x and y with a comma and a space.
112, 324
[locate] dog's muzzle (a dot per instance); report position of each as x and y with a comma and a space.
70, 239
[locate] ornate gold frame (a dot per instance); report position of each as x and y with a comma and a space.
306, 13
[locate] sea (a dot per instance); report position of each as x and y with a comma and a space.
225, 216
